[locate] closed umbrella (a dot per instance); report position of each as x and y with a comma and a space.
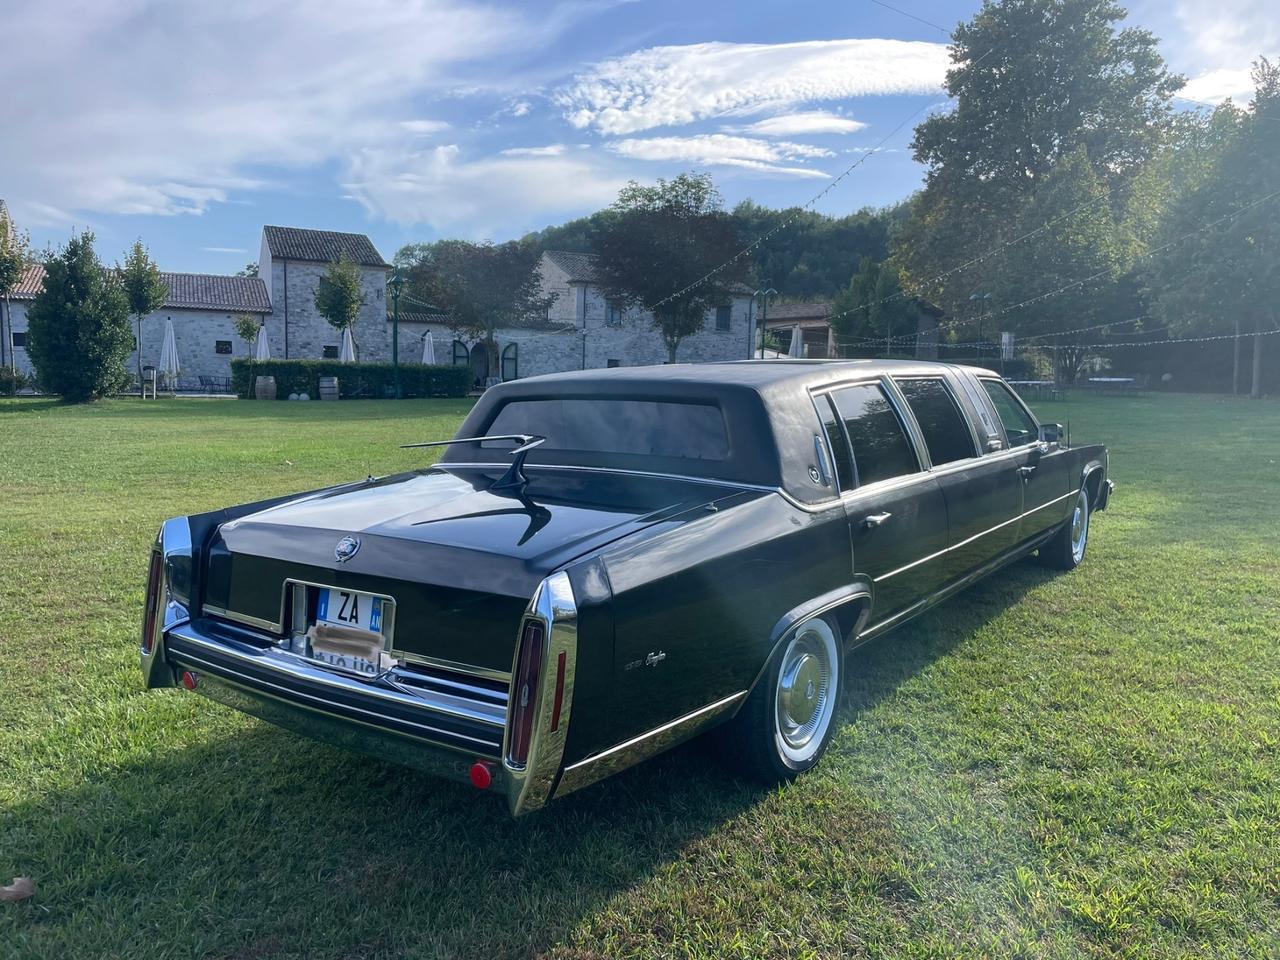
261, 348
797, 343
169, 367
348, 353
428, 348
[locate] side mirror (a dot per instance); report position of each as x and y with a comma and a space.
1052, 433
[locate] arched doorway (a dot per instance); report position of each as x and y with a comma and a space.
480, 363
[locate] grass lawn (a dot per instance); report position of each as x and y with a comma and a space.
1081, 765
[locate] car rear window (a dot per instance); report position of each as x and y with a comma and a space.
653, 428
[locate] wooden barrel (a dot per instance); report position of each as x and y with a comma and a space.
328, 388
264, 388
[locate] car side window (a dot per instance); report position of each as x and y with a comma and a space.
881, 449
946, 430
1019, 426
836, 442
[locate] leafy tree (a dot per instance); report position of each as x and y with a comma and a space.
146, 292
15, 252
663, 240
339, 295
78, 334
246, 326
1227, 276
481, 286
873, 305
1033, 83
250, 269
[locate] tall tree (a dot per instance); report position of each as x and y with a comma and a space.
146, 292
340, 295
481, 286
661, 246
78, 326
873, 306
15, 252
1216, 266
1033, 82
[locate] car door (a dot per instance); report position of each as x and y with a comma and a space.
896, 514
1044, 468
983, 494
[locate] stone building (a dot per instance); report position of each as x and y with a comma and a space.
810, 321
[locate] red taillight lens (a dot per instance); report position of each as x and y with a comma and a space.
153, 602
524, 692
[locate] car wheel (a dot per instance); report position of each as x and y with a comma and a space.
788, 720
1066, 550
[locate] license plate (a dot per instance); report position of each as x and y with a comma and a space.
347, 651
347, 608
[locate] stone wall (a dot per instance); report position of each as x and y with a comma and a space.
293, 285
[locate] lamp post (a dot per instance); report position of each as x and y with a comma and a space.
396, 283
764, 293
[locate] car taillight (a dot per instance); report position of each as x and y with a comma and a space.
525, 691
153, 602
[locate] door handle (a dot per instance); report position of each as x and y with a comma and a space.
875, 519
1026, 472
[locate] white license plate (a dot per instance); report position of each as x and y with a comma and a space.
364, 660
346, 608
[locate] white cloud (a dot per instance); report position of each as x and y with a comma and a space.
483, 197
1228, 33
550, 150
721, 150
167, 106
520, 108
1217, 85
801, 124
224, 249
680, 84
424, 126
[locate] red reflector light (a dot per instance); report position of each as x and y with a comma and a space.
152, 608
189, 679
481, 776
524, 693
559, 700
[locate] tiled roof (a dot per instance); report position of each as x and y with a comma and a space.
581, 267
815, 310
322, 246
187, 291
421, 316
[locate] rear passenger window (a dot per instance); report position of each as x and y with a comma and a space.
881, 449
945, 429
1018, 425
836, 442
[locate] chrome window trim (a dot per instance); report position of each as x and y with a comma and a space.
1019, 402
895, 402
630, 752
529, 785
986, 411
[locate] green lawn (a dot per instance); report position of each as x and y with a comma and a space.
1049, 766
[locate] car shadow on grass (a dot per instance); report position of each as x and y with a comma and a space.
256, 843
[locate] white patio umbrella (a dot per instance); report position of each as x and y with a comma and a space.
348, 352
797, 343
169, 367
261, 347
428, 348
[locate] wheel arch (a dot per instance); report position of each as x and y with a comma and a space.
1092, 476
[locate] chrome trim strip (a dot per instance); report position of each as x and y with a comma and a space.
629, 752
453, 666
294, 695
709, 481
209, 610
529, 785
968, 540
287, 665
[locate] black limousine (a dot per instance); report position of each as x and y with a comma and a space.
605, 563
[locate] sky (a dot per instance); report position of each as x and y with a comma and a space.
191, 124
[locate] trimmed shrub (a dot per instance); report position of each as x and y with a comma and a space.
369, 381
11, 381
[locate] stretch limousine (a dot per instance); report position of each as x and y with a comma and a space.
605, 563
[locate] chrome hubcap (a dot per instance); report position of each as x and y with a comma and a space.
1080, 526
806, 690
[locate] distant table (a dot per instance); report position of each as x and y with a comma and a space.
1118, 384
1039, 386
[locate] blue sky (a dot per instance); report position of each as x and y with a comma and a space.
191, 124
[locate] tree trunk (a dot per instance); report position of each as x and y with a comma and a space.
139, 353
672, 346
1235, 361
1257, 361
4, 336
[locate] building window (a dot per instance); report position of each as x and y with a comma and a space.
329, 351
613, 313
461, 355
724, 315
511, 361
20, 339
613, 363
222, 346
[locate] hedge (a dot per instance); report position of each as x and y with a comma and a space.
355, 380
